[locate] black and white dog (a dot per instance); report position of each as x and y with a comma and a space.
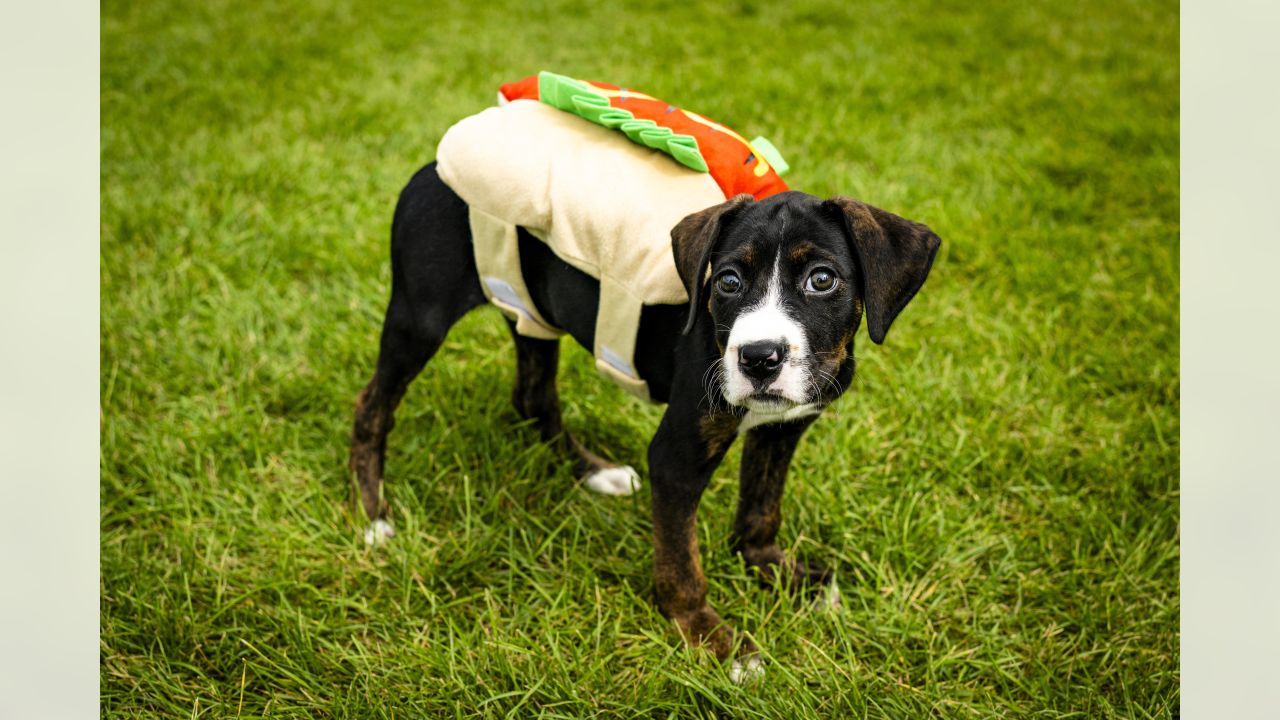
776, 290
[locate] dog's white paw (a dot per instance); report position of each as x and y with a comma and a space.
378, 532
829, 599
744, 672
622, 480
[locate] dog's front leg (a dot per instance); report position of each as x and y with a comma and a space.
766, 455
682, 458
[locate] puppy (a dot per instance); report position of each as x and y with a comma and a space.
776, 290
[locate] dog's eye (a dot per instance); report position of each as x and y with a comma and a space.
821, 280
728, 283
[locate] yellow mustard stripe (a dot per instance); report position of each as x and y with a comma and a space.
762, 166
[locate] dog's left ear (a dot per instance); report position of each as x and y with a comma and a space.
692, 241
894, 255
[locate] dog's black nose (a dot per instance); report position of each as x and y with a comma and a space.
761, 360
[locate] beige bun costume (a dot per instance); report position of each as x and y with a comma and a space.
602, 204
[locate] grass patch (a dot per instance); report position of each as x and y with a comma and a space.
998, 494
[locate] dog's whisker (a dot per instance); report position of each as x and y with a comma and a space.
712, 378
830, 380
817, 389
705, 383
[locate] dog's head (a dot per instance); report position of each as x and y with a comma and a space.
786, 281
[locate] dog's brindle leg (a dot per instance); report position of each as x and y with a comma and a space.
766, 455
535, 398
405, 349
434, 283
682, 457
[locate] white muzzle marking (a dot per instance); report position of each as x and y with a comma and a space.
768, 321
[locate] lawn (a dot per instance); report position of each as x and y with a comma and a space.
998, 494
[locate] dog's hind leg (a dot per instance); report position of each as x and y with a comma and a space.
434, 283
536, 398
405, 349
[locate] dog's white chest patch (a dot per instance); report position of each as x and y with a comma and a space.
756, 418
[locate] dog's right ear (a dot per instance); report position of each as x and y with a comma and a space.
692, 241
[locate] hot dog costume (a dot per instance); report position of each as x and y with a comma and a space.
603, 195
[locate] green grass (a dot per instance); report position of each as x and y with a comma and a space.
998, 493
